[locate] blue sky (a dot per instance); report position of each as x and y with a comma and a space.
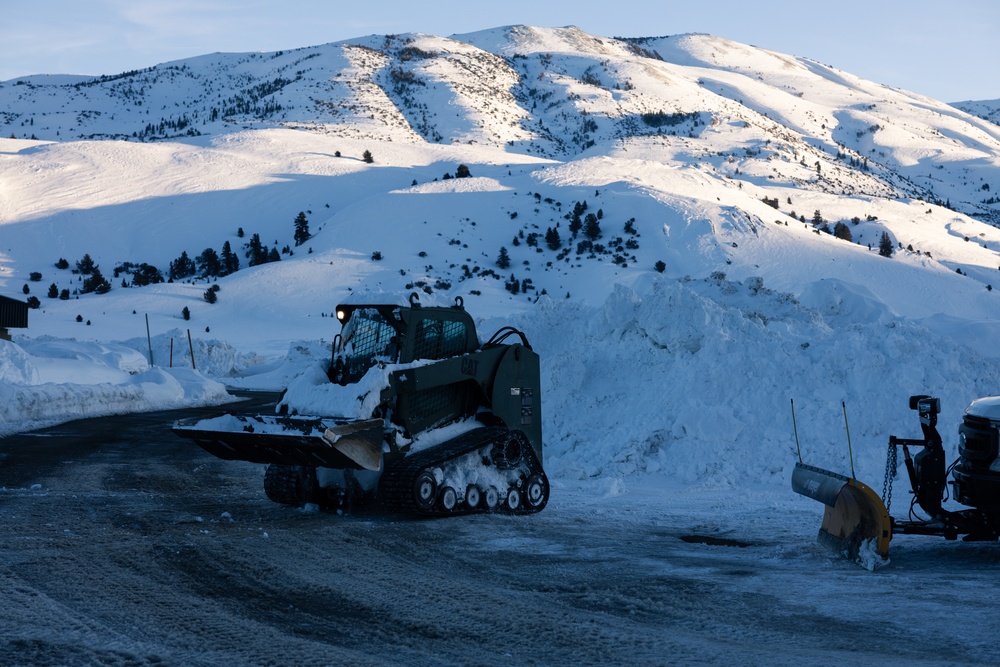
945, 50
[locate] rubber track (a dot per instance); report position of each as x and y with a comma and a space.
396, 485
290, 485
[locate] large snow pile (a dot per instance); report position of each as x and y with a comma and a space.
694, 380
48, 381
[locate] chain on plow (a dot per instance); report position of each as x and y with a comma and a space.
890, 474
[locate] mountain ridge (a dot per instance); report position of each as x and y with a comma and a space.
526, 90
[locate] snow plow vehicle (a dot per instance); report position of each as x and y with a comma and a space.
427, 420
856, 520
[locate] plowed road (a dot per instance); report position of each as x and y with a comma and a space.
121, 544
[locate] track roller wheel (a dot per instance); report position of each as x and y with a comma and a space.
449, 498
472, 497
491, 497
507, 454
513, 502
536, 491
424, 491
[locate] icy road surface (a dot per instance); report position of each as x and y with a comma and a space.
124, 545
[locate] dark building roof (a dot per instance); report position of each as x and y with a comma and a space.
13, 313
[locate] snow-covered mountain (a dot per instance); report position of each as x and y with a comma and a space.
737, 201
985, 109
552, 93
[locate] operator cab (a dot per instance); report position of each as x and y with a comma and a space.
390, 334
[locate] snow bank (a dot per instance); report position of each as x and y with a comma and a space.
80, 380
214, 357
692, 380
16, 365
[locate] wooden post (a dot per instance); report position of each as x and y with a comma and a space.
171, 352
149, 340
191, 347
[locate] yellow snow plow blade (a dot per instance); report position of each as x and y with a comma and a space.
854, 519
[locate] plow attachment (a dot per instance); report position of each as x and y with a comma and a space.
854, 519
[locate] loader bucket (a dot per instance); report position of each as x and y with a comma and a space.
289, 441
361, 442
853, 516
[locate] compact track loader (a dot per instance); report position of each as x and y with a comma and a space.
856, 519
434, 422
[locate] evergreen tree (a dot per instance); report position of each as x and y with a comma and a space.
575, 224
591, 227
210, 296
503, 259
33, 302
817, 218
462, 172
230, 261
96, 283
274, 255
552, 238
53, 291
256, 253
885, 245
186, 313
209, 263
86, 265
301, 229
146, 274
367, 157
26, 289
182, 267
62, 263
842, 231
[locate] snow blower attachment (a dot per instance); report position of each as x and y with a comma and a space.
437, 423
856, 517
854, 520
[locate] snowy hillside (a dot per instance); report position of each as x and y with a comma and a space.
985, 109
693, 228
